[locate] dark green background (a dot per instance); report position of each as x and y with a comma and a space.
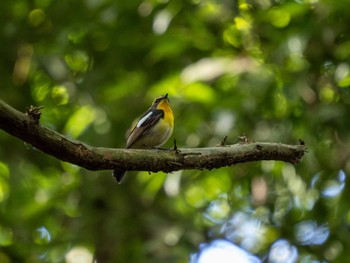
273, 70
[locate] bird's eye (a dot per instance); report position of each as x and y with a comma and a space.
157, 101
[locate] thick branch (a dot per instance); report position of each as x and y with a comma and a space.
27, 128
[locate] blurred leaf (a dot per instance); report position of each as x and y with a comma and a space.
79, 121
78, 61
60, 95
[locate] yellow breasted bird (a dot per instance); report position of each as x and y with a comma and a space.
153, 129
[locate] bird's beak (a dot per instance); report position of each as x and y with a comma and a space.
165, 97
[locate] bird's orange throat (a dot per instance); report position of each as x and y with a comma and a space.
168, 113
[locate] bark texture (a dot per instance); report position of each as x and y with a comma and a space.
26, 127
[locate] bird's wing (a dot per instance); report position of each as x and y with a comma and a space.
146, 122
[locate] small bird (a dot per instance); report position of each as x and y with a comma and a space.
152, 130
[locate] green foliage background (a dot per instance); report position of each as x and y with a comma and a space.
273, 70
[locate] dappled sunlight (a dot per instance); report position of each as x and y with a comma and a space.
247, 231
172, 235
161, 21
172, 183
41, 236
333, 188
309, 233
208, 69
79, 255
218, 210
303, 197
222, 251
296, 44
342, 75
253, 229
283, 252
42, 196
57, 68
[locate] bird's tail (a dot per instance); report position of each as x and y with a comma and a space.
119, 175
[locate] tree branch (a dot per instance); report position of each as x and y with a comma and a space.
27, 128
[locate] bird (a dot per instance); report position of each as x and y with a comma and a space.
152, 130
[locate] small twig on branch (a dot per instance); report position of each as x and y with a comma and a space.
34, 113
96, 158
223, 142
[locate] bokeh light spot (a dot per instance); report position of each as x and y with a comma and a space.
36, 17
